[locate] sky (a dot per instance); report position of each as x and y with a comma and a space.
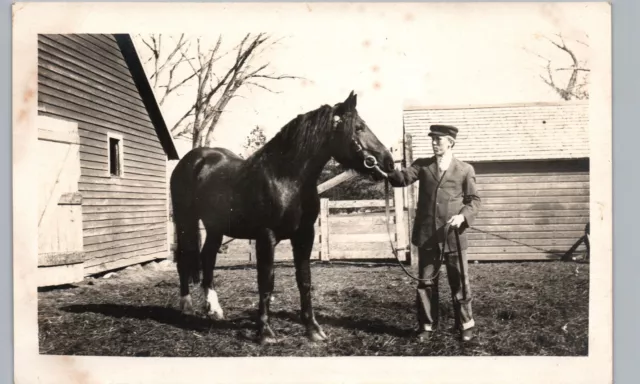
391, 58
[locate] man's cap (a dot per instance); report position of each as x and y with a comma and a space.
443, 130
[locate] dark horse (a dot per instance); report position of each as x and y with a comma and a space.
269, 197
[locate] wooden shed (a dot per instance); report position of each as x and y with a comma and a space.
103, 148
532, 167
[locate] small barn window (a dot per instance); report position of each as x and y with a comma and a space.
115, 144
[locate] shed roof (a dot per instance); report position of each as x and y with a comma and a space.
506, 132
131, 57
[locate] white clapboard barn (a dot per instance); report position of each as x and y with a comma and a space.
103, 148
532, 166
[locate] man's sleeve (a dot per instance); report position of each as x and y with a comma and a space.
406, 176
471, 198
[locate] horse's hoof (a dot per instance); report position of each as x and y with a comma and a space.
186, 306
316, 335
216, 315
264, 340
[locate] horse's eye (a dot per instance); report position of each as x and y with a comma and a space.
359, 128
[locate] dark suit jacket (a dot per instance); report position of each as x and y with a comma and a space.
439, 200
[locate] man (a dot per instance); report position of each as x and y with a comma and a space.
447, 195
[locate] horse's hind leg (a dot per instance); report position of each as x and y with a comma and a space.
187, 261
302, 243
208, 257
265, 245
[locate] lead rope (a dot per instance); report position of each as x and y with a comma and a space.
395, 251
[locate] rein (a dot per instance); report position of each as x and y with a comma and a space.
394, 250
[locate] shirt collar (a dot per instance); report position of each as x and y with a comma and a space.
445, 160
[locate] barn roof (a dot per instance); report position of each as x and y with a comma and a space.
506, 132
132, 59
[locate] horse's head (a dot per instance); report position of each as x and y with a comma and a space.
354, 144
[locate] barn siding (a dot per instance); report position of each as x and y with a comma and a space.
530, 210
84, 78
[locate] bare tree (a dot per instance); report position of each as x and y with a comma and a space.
212, 92
576, 85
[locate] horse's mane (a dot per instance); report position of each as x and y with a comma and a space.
303, 136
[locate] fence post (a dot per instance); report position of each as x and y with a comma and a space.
411, 192
398, 199
324, 229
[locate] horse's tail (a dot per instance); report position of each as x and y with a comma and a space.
186, 219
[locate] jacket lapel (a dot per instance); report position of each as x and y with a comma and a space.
433, 167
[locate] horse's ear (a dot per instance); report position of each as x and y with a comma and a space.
351, 101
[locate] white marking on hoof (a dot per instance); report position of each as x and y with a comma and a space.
212, 306
186, 305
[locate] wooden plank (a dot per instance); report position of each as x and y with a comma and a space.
516, 249
94, 261
125, 214
532, 228
70, 198
111, 264
118, 249
380, 254
535, 199
123, 222
513, 257
121, 229
88, 171
124, 203
59, 275
532, 192
123, 195
534, 186
359, 238
60, 258
356, 203
113, 187
126, 242
56, 130
90, 241
583, 213
89, 182
341, 178
540, 178
361, 229
535, 242
91, 209
481, 222
525, 236
324, 229
533, 206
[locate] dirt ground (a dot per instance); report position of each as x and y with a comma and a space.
537, 308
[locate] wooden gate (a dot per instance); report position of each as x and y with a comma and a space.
60, 245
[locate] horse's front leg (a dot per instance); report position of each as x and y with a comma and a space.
302, 243
265, 247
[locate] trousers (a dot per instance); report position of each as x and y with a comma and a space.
427, 295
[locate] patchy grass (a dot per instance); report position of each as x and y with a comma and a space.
365, 309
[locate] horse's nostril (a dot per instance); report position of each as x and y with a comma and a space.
390, 165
